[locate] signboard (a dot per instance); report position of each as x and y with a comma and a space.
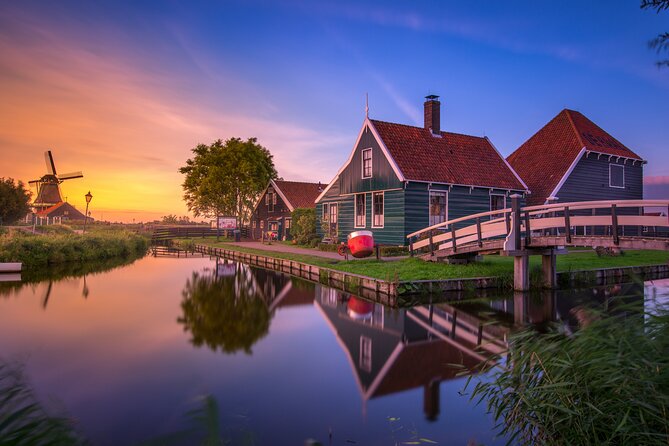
225, 223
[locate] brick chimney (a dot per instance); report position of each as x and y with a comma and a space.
432, 118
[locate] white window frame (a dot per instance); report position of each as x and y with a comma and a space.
383, 214
334, 216
362, 160
501, 214
623, 168
365, 357
326, 212
254, 224
429, 203
288, 222
364, 211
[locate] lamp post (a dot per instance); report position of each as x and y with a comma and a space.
88, 200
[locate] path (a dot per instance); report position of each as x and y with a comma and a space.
281, 247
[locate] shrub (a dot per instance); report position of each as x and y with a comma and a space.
328, 247
393, 251
304, 226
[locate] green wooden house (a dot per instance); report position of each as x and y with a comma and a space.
400, 178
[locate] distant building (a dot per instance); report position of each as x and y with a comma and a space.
272, 212
573, 159
399, 179
59, 213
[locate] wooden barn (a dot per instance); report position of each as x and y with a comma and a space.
272, 212
573, 159
59, 213
399, 179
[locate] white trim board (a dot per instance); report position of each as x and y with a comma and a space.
283, 197
508, 165
366, 124
566, 174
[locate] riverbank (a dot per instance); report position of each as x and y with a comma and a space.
62, 245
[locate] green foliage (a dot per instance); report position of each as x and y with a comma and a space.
14, 201
41, 250
225, 178
328, 247
219, 313
661, 42
606, 384
393, 251
23, 420
172, 219
304, 226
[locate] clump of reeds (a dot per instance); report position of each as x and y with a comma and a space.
607, 384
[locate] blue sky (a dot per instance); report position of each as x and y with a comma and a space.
123, 90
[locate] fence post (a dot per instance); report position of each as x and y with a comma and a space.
455, 246
410, 246
478, 231
567, 225
431, 243
528, 230
614, 224
515, 209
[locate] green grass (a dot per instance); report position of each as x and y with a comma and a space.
491, 266
62, 245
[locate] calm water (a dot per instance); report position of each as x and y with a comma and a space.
129, 352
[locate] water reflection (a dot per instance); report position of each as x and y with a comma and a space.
230, 307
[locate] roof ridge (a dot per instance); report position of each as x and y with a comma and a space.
422, 128
573, 126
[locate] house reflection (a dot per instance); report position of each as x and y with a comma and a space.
393, 350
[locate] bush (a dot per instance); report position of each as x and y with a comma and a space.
304, 226
328, 247
393, 251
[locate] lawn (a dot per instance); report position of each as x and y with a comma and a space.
491, 266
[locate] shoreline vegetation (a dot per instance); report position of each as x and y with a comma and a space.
61, 244
411, 269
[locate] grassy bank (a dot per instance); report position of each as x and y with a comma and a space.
491, 266
61, 245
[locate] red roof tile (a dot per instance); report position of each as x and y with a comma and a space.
453, 159
300, 195
543, 159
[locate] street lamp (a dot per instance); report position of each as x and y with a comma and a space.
88, 200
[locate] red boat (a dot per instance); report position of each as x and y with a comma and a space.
361, 243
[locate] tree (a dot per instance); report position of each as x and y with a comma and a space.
226, 178
304, 226
14, 201
661, 42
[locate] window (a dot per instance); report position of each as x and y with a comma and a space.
360, 211
254, 224
438, 208
617, 176
274, 199
367, 163
365, 360
262, 224
326, 212
333, 214
288, 221
497, 202
377, 209
273, 226
271, 201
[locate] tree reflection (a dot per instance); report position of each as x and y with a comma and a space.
224, 312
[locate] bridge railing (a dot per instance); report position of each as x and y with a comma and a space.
603, 218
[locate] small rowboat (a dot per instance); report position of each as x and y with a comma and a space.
10, 267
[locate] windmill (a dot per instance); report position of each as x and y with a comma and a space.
48, 186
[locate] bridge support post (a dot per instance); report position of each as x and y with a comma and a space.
548, 269
521, 273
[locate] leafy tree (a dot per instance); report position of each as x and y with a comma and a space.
170, 219
14, 199
661, 42
225, 178
224, 312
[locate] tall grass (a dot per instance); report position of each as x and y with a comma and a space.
35, 250
607, 384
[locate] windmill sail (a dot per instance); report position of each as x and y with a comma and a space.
50, 165
69, 176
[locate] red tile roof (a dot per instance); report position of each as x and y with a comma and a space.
453, 159
543, 159
62, 209
300, 195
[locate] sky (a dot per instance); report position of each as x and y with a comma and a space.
123, 90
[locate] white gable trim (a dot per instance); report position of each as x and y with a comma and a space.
366, 124
259, 199
566, 174
283, 197
508, 165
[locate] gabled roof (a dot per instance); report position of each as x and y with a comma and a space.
545, 159
452, 158
58, 210
297, 194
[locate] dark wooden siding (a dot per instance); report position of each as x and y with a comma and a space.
262, 213
590, 181
383, 176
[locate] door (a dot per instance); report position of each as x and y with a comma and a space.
333, 220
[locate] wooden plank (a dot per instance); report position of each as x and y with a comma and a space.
567, 225
614, 224
478, 231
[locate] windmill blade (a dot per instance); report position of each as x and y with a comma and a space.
69, 176
50, 166
34, 181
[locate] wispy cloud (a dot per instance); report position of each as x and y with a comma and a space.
656, 180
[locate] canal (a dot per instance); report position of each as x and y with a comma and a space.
137, 353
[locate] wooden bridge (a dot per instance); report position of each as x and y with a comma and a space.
545, 230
